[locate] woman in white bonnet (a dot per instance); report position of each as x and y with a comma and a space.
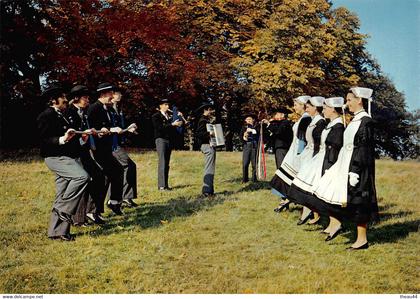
330, 145
348, 187
289, 168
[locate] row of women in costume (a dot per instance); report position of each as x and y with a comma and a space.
81, 144
329, 168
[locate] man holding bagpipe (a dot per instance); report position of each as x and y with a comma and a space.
164, 129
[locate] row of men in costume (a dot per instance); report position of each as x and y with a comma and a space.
81, 144
329, 168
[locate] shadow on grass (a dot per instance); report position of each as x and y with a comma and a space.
393, 232
262, 185
153, 215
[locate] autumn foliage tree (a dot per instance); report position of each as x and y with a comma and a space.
241, 54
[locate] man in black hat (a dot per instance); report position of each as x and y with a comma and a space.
92, 205
280, 132
99, 117
164, 130
130, 167
61, 150
249, 136
202, 136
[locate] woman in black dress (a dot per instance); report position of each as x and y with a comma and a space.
291, 163
330, 145
348, 187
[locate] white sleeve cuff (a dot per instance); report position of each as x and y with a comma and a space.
61, 140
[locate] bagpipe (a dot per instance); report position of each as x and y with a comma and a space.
178, 116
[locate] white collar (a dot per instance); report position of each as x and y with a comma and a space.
332, 123
57, 110
164, 114
359, 115
315, 119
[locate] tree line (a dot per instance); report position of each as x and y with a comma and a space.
241, 54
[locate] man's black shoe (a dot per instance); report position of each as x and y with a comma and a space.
66, 238
129, 203
115, 208
94, 218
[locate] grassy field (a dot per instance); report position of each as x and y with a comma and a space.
178, 242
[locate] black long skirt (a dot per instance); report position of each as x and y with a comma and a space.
281, 185
356, 213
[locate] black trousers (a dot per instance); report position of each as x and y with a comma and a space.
113, 171
249, 155
280, 153
164, 149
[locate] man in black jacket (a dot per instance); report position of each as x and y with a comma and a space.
61, 149
203, 140
130, 167
281, 134
164, 130
92, 205
99, 117
249, 136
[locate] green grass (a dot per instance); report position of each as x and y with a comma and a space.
178, 242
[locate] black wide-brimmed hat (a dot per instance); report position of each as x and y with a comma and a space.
163, 101
79, 90
106, 86
53, 91
203, 106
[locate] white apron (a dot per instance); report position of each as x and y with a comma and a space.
332, 187
291, 162
310, 173
308, 151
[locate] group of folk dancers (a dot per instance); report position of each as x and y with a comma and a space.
82, 144
323, 166
329, 168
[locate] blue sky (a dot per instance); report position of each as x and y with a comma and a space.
394, 29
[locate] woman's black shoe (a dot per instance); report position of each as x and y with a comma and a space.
364, 246
303, 221
335, 234
281, 207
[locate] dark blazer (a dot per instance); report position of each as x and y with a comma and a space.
303, 125
100, 118
52, 126
281, 133
363, 163
251, 137
333, 145
316, 134
162, 127
76, 122
202, 136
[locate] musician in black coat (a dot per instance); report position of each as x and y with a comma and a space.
164, 129
203, 137
249, 136
99, 118
61, 149
280, 133
92, 205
